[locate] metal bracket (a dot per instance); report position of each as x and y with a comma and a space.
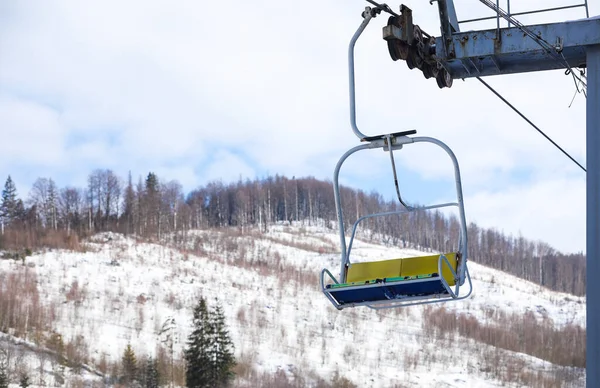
559, 45
370, 12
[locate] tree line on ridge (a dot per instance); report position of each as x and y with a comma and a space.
152, 208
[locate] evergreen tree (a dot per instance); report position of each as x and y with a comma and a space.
222, 349
129, 365
3, 376
197, 354
9, 208
56, 343
209, 354
151, 183
152, 374
20, 211
52, 216
24, 380
152, 203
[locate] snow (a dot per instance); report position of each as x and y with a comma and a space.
121, 291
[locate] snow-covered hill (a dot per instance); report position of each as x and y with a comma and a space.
119, 291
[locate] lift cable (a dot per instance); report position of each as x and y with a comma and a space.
530, 123
384, 7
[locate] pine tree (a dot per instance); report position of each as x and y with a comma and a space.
9, 208
56, 343
152, 202
24, 380
20, 211
197, 354
52, 215
151, 183
222, 349
129, 365
3, 376
152, 374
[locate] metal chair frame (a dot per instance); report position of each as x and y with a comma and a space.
390, 143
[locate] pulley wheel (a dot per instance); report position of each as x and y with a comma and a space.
411, 58
418, 59
402, 49
444, 79
435, 69
417, 34
392, 50
427, 70
394, 45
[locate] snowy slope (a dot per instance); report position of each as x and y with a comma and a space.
121, 291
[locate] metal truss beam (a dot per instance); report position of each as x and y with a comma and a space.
512, 51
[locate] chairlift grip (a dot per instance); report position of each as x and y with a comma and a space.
395, 134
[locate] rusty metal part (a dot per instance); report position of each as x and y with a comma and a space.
392, 49
410, 43
412, 57
403, 49
444, 79
418, 35
418, 59
427, 70
397, 48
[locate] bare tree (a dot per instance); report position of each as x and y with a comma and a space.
142, 219
71, 207
172, 197
111, 191
43, 196
93, 198
129, 208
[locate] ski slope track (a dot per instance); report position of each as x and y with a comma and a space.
267, 283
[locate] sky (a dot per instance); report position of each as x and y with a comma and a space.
199, 91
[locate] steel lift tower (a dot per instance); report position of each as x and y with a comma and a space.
517, 48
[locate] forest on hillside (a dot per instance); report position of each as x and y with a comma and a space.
152, 208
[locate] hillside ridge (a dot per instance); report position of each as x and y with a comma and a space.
117, 290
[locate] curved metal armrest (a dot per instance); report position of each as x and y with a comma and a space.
326, 271
470, 283
327, 294
453, 294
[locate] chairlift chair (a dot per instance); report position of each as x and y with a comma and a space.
398, 281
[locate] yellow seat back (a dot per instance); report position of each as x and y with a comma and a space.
410, 266
413, 266
360, 272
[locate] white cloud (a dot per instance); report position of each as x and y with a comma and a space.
548, 210
32, 133
176, 88
227, 167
